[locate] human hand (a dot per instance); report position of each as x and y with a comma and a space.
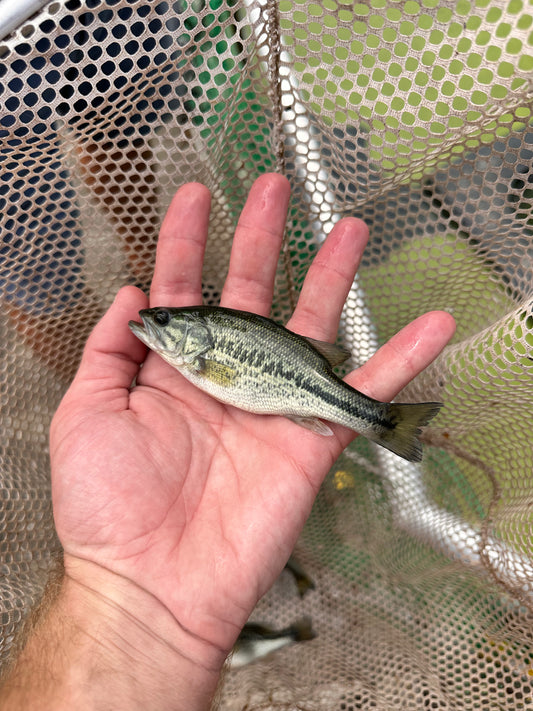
195, 503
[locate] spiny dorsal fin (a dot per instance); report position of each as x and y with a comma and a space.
334, 354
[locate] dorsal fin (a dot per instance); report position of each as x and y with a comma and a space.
334, 354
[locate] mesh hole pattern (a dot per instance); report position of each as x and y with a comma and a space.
415, 116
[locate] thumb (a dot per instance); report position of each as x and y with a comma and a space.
112, 354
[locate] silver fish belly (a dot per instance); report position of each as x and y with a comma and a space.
257, 641
253, 363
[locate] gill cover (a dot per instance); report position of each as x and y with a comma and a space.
185, 337
179, 334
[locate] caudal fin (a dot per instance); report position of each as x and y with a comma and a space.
406, 421
302, 630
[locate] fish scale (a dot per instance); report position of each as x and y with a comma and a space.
257, 365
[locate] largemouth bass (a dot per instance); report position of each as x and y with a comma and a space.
253, 363
257, 641
302, 580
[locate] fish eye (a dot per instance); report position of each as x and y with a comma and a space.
162, 317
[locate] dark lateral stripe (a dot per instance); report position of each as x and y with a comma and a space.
340, 396
355, 406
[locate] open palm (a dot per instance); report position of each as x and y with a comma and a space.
196, 502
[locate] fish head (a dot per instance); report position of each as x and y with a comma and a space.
175, 334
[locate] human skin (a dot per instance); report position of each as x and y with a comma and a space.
176, 512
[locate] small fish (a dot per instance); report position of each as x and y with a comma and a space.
257, 641
253, 363
302, 580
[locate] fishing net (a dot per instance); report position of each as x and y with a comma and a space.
414, 115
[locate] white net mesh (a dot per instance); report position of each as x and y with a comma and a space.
415, 116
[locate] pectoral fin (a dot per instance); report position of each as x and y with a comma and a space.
313, 424
218, 373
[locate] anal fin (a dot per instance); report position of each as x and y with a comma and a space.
313, 424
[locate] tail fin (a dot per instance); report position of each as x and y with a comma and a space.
302, 630
303, 581
405, 420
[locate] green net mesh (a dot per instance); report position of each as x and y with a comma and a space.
415, 116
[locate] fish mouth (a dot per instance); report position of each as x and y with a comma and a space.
143, 331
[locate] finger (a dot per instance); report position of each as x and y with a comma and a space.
256, 246
328, 281
404, 356
112, 354
177, 277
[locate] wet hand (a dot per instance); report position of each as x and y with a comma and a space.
195, 503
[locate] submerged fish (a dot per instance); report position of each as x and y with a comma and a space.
257, 365
302, 580
256, 641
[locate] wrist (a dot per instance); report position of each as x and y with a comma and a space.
105, 643
143, 650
